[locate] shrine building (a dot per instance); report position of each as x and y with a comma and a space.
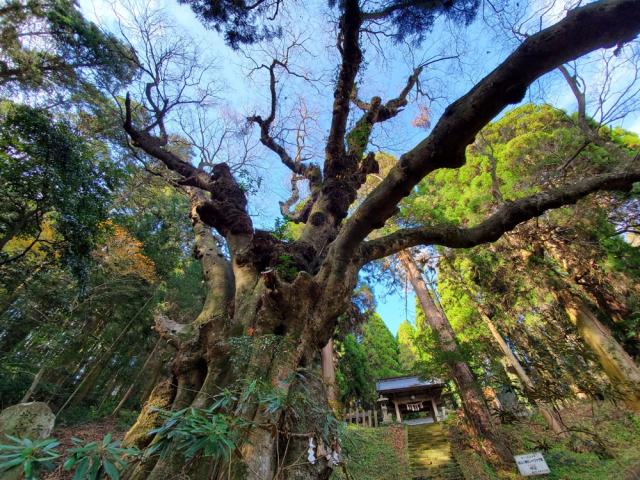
401, 396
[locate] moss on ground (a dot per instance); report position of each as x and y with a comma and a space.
604, 443
374, 454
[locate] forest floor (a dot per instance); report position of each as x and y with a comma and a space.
87, 432
603, 443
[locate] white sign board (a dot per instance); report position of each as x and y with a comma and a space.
531, 464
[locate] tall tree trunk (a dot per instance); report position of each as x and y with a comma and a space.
144, 370
34, 385
614, 360
547, 411
473, 402
273, 319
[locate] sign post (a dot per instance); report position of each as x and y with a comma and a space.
531, 464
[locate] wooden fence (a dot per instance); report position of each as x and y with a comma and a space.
365, 418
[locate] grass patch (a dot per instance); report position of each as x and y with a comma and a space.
374, 454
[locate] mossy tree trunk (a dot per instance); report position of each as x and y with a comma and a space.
275, 322
622, 371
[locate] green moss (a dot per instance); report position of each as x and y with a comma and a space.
160, 399
473, 466
605, 446
287, 267
374, 454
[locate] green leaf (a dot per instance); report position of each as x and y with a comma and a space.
81, 471
111, 470
69, 463
95, 469
28, 469
10, 464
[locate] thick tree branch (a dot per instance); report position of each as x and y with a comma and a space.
226, 210
154, 146
601, 24
349, 45
505, 219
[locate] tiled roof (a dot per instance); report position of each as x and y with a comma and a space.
401, 383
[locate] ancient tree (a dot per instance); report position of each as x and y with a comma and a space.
285, 297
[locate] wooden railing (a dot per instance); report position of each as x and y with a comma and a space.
365, 418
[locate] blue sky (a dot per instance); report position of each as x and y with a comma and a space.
479, 48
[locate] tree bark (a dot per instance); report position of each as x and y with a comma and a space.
329, 373
622, 371
473, 402
274, 444
34, 385
547, 411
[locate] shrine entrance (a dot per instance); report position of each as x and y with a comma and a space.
411, 400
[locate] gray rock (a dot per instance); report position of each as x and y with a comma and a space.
32, 420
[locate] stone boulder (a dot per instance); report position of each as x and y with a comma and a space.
32, 420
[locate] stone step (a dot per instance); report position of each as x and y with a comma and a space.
430, 454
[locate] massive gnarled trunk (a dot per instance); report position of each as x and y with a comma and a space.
275, 323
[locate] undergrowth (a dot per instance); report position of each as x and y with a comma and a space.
374, 454
603, 443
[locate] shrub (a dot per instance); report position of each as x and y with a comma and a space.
196, 431
94, 460
32, 455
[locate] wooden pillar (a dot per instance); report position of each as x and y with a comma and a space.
369, 418
434, 406
398, 417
